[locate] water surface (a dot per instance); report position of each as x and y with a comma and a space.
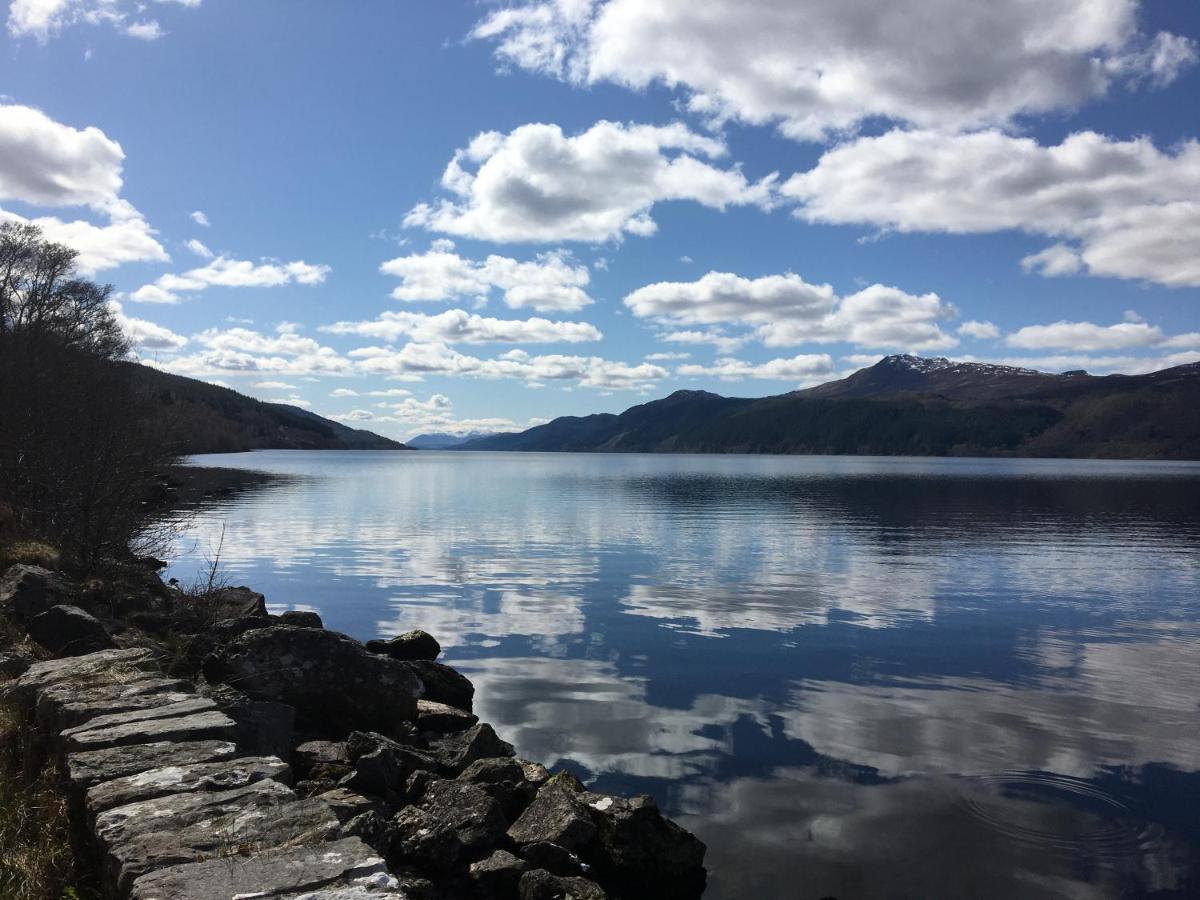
852, 677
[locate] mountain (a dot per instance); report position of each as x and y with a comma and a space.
206, 418
907, 405
442, 441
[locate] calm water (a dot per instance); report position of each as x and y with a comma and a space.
852, 677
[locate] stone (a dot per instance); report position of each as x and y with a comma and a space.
417, 838
442, 684
15, 663
224, 775
264, 727
64, 706
410, 646
227, 629
554, 859
233, 603
153, 834
640, 850
371, 827
28, 591
539, 884
457, 751
105, 667
467, 810
440, 718
503, 779
314, 753
329, 678
69, 631
93, 767
557, 815
211, 725
497, 876
192, 705
301, 618
292, 869
382, 766
346, 804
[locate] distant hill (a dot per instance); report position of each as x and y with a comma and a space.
442, 441
205, 418
907, 405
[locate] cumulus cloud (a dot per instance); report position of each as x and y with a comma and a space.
44, 163
200, 218
145, 335
457, 326
419, 360
786, 311
1124, 208
1088, 336
435, 413
198, 248
827, 66
241, 351
225, 272
806, 369
981, 331
549, 282
538, 184
43, 19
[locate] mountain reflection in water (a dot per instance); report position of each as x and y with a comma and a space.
851, 677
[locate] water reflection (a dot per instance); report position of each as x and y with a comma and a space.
854, 677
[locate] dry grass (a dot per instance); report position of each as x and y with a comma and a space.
31, 553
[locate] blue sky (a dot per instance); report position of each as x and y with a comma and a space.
580, 205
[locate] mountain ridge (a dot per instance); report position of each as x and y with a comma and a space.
906, 405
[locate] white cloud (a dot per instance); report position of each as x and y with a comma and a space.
981, 331
199, 249
43, 19
225, 272
817, 67
457, 326
144, 335
44, 163
549, 282
666, 357
438, 359
240, 351
786, 311
274, 386
1126, 208
200, 218
806, 369
1088, 336
537, 184
714, 336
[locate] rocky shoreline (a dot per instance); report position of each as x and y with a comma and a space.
212, 751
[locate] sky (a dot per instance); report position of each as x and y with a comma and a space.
430, 215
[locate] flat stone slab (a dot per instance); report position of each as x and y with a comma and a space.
211, 725
224, 775
189, 706
92, 767
107, 666
182, 828
65, 705
267, 874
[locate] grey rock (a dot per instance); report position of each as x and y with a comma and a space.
64, 706
329, 678
107, 666
69, 631
539, 884
442, 684
28, 591
233, 603
503, 778
382, 766
441, 718
311, 754
467, 810
301, 618
224, 775
417, 838
554, 859
457, 751
497, 876
557, 815
641, 850
94, 767
190, 706
294, 869
371, 827
211, 725
153, 834
412, 645
347, 804
264, 727
15, 663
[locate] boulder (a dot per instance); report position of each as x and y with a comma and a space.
416, 838
347, 804
69, 631
311, 754
557, 815
211, 725
638, 850
475, 818
496, 876
443, 685
457, 751
301, 618
92, 767
440, 718
554, 859
15, 662
334, 684
223, 775
504, 780
264, 727
539, 884
28, 591
107, 666
63, 706
382, 767
410, 646
232, 603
